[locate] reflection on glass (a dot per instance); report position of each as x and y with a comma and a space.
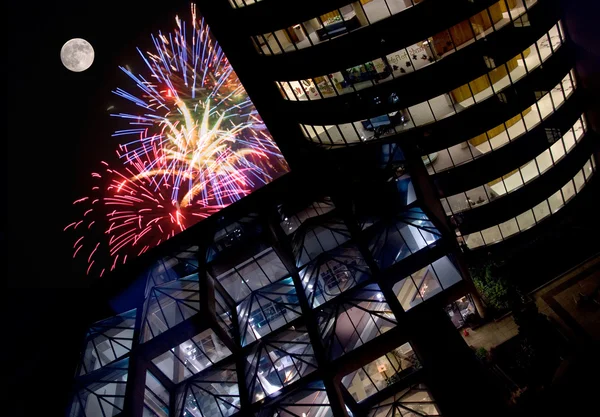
107, 341
104, 394
192, 356
383, 371
410, 233
156, 398
170, 304
354, 321
180, 265
279, 361
213, 392
426, 282
314, 239
333, 273
267, 309
252, 274
290, 223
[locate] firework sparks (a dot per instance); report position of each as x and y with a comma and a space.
195, 145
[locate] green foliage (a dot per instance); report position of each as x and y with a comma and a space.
481, 353
495, 290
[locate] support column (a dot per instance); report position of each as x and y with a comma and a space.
360, 13
136, 377
280, 244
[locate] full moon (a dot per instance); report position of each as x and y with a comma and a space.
77, 55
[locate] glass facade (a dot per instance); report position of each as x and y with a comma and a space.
212, 393
382, 372
532, 216
235, 328
278, 361
405, 235
354, 320
515, 179
107, 341
330, 275
328, 26
408, 59
505, 133
104, 394
445, 105
413, 401
156, 398
426, 282
192, 356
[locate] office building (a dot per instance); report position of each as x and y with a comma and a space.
416, 132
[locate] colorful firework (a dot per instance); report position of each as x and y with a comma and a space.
196, 145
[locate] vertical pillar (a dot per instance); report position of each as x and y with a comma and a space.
360, 13
281, 246
136, 377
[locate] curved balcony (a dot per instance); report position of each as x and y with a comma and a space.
497, 82
434, 49
532, 216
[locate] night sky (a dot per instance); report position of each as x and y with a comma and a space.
58, 131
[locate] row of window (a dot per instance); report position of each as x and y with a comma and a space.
329, 25
514, 180
532, 216
405, 60
444, 105
504, 133
236, 4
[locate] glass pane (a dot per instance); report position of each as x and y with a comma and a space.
525, 220
509, 228
531, 171
376, 10
491, 235
407, 294
579, 180
558, 149
541, 211
568, 191
474, 240
191, 356
421, 114
556, 201
382, 372
442, 106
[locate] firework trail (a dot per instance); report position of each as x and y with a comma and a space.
195, 145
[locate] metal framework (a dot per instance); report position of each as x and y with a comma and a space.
271, 315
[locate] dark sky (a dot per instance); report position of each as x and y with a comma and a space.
58, 131
59, 128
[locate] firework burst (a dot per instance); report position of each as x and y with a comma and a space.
195, 145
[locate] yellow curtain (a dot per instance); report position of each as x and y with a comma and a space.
479, 84
331, 15
461, 33
511, 4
